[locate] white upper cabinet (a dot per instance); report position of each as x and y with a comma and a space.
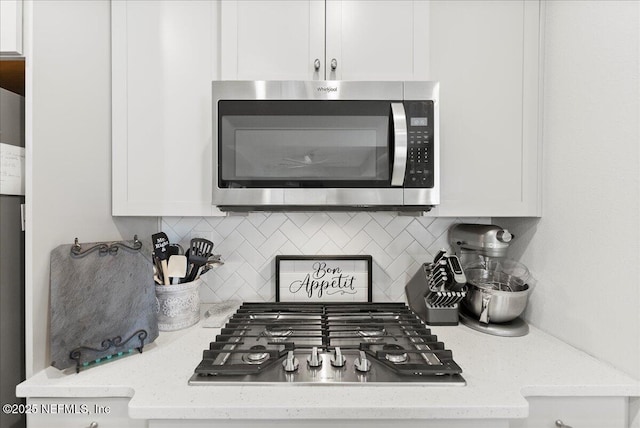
377, 40
318, 40
163, 59
272, 40
10, 27
485, 54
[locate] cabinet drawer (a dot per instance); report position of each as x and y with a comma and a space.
576, 412
80, 413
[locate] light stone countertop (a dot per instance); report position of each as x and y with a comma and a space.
500, 373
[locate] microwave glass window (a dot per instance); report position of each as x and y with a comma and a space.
328, 154
298, 150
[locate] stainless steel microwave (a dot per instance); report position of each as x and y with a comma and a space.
325, 145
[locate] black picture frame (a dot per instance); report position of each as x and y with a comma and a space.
367, 258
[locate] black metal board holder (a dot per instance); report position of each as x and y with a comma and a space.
103, 304
115, 342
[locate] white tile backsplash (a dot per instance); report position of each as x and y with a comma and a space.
249, 244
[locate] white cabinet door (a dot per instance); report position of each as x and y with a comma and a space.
281, 40
164, 59
377, 40
486, 56
80, 413
11, 27
576, 412
272, 40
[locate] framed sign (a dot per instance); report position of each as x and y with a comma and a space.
323, 279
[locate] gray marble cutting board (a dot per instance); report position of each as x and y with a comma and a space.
98, 301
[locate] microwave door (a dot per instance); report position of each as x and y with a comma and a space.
399, 164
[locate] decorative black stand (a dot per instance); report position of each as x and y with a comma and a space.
76, 354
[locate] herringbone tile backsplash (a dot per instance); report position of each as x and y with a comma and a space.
249, 244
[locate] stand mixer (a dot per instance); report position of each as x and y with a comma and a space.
469, 241
491, 306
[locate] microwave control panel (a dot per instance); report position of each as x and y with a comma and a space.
420, 168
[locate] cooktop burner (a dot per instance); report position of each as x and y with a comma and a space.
255, 355
309, 343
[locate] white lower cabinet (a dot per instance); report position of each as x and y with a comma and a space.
575, 412
342, 423
80, 413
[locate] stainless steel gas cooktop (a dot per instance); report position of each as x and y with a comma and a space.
337, 343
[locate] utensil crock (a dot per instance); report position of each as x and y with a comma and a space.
178, 305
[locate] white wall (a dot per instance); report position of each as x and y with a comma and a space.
585, 250
69, 140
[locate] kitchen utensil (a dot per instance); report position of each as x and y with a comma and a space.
155, 276
439, 256
157, 269
213, 261
174, 250
194, 263
160, 242
199, 253
459, 278
494, 296
201, 247
177, 267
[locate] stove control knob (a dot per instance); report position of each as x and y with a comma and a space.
291, 363
314, 359
338, 359
362, 364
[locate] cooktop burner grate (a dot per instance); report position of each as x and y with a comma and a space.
308, 343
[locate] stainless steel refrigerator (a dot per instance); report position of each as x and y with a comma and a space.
12, 365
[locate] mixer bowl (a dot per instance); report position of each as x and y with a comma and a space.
495, 296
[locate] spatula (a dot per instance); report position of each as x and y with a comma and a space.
195, 263
174, 249
199, 253
160, 242
177, 267
201, 247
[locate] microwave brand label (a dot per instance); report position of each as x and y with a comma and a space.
327, 89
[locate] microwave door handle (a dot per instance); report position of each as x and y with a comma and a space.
399, 144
